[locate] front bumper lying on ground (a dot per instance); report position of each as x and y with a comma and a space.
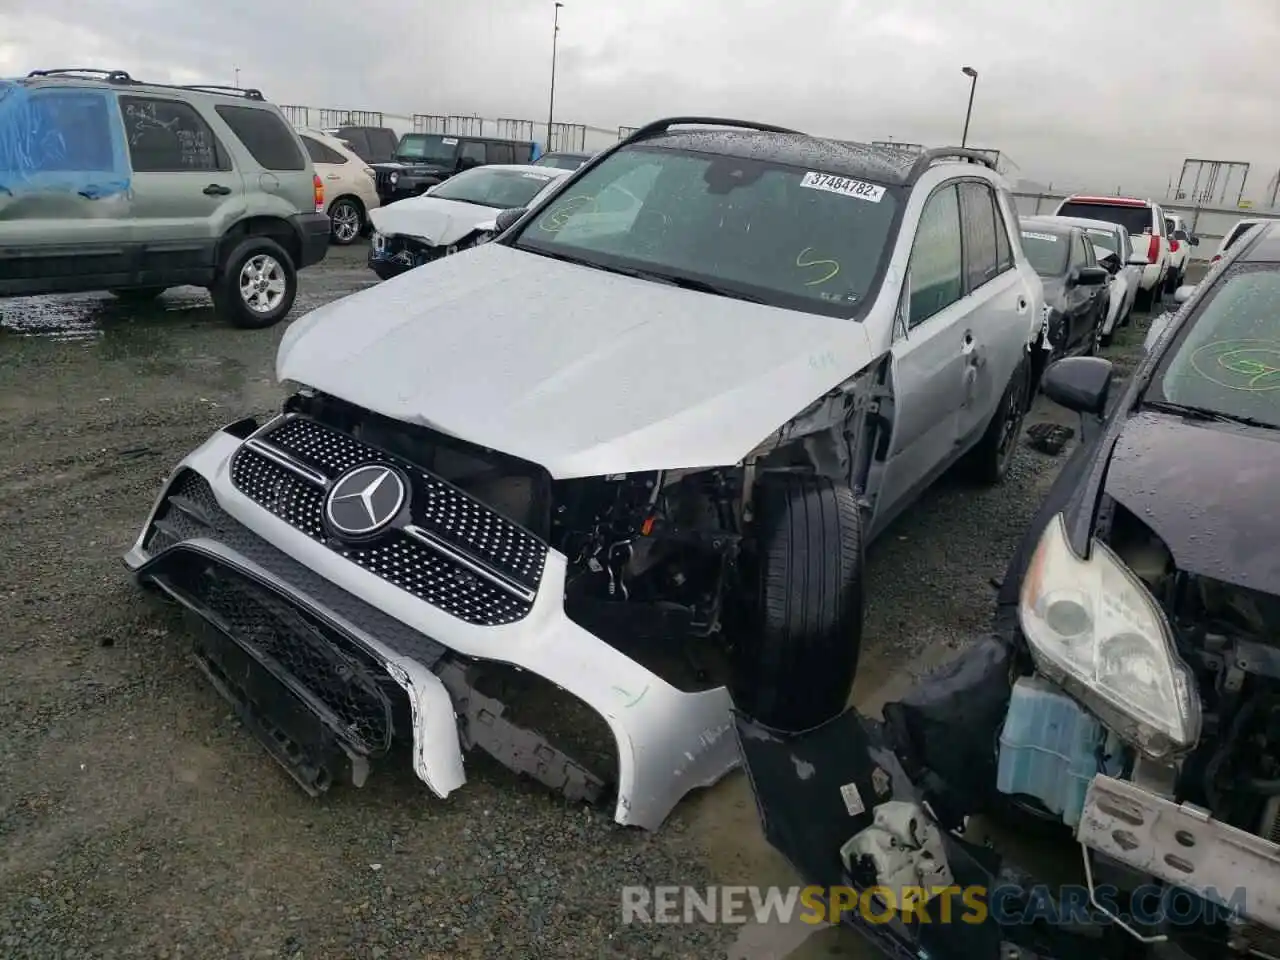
330, 650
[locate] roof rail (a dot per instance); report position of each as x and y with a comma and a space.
111, 76
662, 126
936, 154
249, 93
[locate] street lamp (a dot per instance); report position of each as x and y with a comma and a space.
551, 111
237, 78
972, 74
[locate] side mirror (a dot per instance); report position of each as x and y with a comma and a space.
1081, 384
1091, 276
1195, 241
1111, 264
1138, 260
1184, 292
508, 217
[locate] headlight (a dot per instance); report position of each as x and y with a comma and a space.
1094, 628
394, 178
379, 241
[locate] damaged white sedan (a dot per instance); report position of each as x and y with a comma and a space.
628, 453
453, 216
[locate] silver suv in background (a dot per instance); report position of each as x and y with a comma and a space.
108, 183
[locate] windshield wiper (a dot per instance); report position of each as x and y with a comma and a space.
1207, 416
685, 283
688, 283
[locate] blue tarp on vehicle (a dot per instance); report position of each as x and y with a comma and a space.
61, 140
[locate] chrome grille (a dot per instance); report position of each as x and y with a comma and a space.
456, 553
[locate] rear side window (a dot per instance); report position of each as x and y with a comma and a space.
265, 136
1137, 220
981, 252
168, 136
58, 131
321, 152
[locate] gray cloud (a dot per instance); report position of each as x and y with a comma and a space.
1083, 94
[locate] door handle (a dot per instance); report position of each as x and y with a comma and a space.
332, 176
217, 190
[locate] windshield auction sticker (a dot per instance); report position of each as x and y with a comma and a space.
1051, 238
842, 185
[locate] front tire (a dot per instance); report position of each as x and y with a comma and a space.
797, 658
346, 220
257, 284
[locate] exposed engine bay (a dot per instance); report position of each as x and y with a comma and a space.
408, 252
660, 562
1228, 635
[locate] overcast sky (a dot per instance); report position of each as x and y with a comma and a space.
1082, 93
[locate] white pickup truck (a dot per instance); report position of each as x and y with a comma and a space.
1145, 221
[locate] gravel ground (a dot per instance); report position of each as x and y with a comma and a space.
138, 820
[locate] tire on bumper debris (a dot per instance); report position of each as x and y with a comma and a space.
798, 653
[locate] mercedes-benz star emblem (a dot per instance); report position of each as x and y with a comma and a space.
365, 500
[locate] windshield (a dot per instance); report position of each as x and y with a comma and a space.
493, 187
1047, 252
1104, 239
427, 148
1136, 220
761, 230
1227, 357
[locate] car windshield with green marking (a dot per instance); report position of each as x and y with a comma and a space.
747, 228
1226, 359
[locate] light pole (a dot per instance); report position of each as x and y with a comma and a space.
551, 110
972, 74
237, 78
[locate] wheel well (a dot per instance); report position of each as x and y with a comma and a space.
353, 198
278, 230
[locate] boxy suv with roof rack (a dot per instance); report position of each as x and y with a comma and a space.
108, 183
423, 160
630, 450
1145, 222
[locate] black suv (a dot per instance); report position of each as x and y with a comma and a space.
370, 144
424, 159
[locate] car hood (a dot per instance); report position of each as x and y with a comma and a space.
582, 371
1208, 490
438, 222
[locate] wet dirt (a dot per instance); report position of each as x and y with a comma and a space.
138, 819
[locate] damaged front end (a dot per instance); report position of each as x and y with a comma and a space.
1124, 715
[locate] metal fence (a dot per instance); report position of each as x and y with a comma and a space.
463, 126
298, 116
430, 123
567, 136
509, 129
350, 118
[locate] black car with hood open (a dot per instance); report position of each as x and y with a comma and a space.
1127, 703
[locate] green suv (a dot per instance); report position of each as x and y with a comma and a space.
107, 183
